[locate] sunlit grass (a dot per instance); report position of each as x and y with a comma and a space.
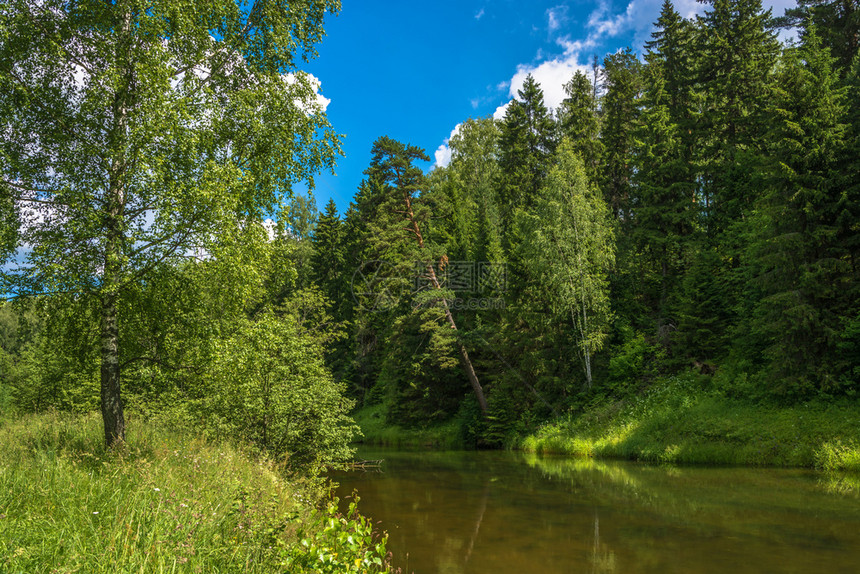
165, 502
676, 423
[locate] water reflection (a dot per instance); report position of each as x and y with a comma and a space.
500, 512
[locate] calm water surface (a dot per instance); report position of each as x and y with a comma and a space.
499, 513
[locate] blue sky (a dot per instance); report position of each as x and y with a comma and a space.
413, 71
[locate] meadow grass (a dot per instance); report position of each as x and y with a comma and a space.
167, 501
675, 422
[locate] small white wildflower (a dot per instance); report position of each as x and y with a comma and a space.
95, 512
157, 489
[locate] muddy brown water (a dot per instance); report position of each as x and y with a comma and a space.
503, 512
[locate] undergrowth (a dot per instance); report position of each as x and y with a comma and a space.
166, 501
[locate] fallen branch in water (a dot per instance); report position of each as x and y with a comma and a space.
365, 464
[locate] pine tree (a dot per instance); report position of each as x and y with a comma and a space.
398, 236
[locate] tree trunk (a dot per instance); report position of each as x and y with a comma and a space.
464, 355
112, 410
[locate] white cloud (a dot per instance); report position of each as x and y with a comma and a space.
442, 155
637, 17
501, 111
309, 81
556, 17
602, 23
551, 74
479, 14
443, 152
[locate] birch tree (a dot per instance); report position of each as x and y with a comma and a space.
569, 248
137, 133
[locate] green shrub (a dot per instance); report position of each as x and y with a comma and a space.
338, 543
269, 386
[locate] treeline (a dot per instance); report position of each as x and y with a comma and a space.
695, 210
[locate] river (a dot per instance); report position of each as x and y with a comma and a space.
502, 512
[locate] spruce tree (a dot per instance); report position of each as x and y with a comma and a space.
664, 214
738, 51
365, 325
836, 23
802, 268
580, 124
328, 257
672, 48
622, 85
525, 147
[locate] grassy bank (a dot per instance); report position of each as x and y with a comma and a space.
376, 431
677, 421
166, 502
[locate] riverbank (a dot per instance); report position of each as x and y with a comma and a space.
677, 422
165, 502
376, 431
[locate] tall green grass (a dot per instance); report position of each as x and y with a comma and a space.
376, 431
676, 421
165, 502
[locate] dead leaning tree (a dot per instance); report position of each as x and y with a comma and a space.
394, 156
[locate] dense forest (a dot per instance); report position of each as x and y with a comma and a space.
695, 208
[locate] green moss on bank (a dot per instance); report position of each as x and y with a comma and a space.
678, 422
165, 502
